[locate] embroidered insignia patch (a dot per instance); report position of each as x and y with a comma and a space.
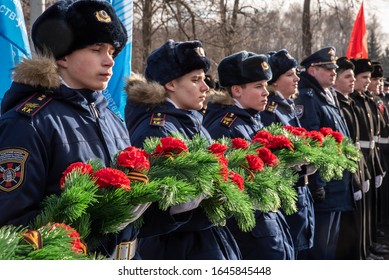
33, 104
12, 168
158, 119
271, 106
299, 111
228, 119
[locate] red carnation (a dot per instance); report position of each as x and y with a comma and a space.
263, 134
84, 168
134, 158
223, 167
237, 179
170, 145
338, 136
279, 142
267, 156
326, 131
263, 141
217, 148
255, 162
316, 135
78, 245
297, 131
239, 143
112, 177
262, 137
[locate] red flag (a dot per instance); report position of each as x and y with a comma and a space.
357, 47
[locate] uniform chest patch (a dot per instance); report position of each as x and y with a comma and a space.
299, 111
12, 168
271, 106
158, 119
228, 119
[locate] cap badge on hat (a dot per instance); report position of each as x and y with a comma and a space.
331, 52
200, 51
103, 16
264, 65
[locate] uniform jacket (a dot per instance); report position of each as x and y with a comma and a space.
301, 223
279, 110
188, 235
74, 125
348, 108
316, 111
223, 118
270, 239
367, 132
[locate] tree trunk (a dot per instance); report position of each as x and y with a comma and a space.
306, 26
146, 28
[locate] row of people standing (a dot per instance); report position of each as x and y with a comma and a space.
56, 100
168, 100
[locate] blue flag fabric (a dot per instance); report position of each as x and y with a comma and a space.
14, 44
115, 91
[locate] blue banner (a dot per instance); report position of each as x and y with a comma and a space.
115, 93
14, 45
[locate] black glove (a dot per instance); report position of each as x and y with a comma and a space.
318, 194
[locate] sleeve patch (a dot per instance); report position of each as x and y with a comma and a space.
158, 119
228, 119
299, 111
12, 168
34, 104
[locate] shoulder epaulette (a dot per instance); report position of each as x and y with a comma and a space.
34, 104
228, 119
157, 119
271, 106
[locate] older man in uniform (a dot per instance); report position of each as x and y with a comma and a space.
317, 107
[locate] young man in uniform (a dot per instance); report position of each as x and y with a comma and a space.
167, 101
54, 114
234, 113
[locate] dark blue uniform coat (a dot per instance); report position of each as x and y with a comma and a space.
315, 111
76, 125
281, 110
270, 239
188, 235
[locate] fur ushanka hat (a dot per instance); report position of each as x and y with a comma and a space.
175, 59
69, 25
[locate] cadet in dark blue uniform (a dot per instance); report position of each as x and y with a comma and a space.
235, 113
317, 108
54, 114
280, 108
168, 102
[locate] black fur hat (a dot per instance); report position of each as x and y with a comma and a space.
175, 59
280, 62
242, 68
378, 72
362, 65
344, 64
69, 25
